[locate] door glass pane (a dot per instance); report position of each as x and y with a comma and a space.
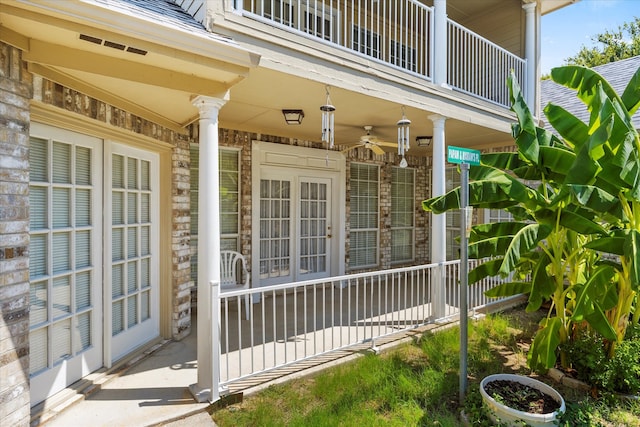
38, 302
132, 311
60, 252
83, 249
61, 207
38, 207
38, 255
83, 207
61, 163
117, 317
132, 173
83, 290
38, 160
117, 281
38, 344
83, 166
61, 296
117, 171
83, 329
61, 336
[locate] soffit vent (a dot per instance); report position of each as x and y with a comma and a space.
113, 45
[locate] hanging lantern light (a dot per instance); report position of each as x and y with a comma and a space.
403, 137
328, 121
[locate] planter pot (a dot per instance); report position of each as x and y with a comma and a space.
499, 412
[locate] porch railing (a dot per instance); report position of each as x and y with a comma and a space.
399, 33
297, 322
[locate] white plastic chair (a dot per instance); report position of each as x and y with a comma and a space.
234, 274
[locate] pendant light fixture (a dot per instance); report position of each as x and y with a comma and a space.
328, 127
403, 137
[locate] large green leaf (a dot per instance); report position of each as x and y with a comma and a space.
573, 130
542, 285
488, 268
509, 289
632, 252
502, 161
612, 245
596, 199
578, 223
594, 293
525, 131
585, 81
523, 241
493, 229
542, 354
493, 246
558, 160
631, 95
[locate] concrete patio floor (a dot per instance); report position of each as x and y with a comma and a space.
150, 389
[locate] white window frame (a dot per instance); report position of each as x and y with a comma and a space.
354, 202
407, 227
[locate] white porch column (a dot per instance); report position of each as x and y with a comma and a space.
440, 43
209, 241
530, 55
438, 222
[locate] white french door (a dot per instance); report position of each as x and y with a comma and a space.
93, 253
131, 249
295, 228
65, 319
314, 229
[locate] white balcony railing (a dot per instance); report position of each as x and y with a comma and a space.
299, 324
395, 32
399, 33
479, 67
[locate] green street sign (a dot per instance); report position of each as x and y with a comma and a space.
463, 155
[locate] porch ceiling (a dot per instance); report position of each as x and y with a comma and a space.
257, 102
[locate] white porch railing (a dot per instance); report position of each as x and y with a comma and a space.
297, 322
399, 33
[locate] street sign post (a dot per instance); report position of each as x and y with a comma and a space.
465, 157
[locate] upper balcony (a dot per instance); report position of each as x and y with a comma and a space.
403, 34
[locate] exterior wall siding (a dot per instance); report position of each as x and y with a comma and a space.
15, 93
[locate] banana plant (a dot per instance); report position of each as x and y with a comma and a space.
574, 198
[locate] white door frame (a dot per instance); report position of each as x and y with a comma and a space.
301, 162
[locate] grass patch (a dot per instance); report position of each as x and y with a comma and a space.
416, 384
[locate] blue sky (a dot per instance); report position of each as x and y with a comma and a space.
566, 30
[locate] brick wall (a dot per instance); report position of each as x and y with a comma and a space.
242, 140
15, 93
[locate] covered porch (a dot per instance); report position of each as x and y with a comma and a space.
296, 330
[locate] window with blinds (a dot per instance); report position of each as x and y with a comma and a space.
61, 197
229, 170
402, 214
364, 221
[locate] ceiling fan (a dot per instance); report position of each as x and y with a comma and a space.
372, 142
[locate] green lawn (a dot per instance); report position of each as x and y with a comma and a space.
416, 384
